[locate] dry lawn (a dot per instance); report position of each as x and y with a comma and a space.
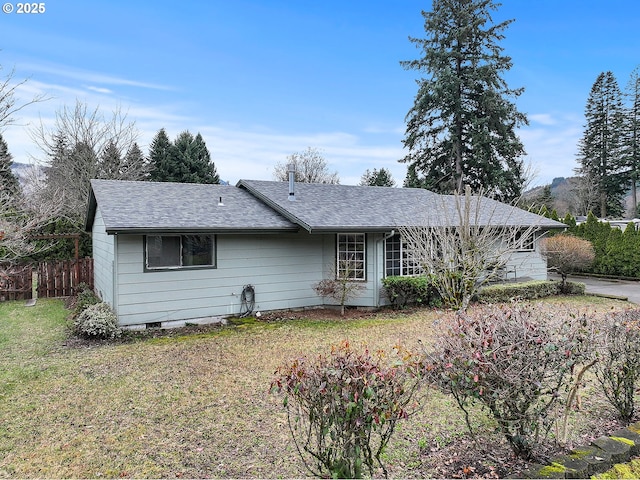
197, 404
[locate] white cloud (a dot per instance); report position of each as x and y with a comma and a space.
84, 76
105, 91
552, 146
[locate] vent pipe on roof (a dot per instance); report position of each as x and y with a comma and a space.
292, 180
220, 204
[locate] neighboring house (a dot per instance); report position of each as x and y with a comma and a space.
170, 253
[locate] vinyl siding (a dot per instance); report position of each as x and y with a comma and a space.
103, 260
281, 268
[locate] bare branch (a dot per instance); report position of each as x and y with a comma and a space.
467, 244
8, 104
310, 166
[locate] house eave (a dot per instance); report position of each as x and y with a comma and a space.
200, 231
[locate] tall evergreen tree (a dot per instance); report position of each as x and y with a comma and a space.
110, 162
461, 129
600, 153
132, 161
631, 139
186, 160
378, 178
160, 156
9, 183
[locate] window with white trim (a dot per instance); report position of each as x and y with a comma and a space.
399, 259
528, 243
351, 256
179, 251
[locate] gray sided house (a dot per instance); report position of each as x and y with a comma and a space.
170, 253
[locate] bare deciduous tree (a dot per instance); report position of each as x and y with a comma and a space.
584, 195
84, 144
20, 218
310, 166
8, 103
467, 242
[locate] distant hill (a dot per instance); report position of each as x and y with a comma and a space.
562, 194
19, 168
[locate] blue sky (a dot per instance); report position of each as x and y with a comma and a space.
263, 79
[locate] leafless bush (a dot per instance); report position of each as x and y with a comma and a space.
518, 362
467, 244
618, 370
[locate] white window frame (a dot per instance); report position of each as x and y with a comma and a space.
404, 261
351, 256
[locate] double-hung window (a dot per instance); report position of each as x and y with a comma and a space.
179, 251
399, 258
351, 256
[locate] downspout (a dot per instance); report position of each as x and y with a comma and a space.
376, 291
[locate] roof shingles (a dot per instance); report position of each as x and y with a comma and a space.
262, 206
166, 207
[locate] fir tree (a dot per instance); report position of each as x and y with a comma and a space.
186, 160
160, 156
462, 126
600, 153
378, 178
631, 138
9, 183
135, 161
110, 163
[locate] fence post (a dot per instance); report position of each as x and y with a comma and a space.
34, 284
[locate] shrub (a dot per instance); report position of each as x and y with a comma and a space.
343, 408
97, 322
408, 291
618, 370
567, 254
86, 297
527, 291
514, 361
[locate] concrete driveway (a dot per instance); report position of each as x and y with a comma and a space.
602, 286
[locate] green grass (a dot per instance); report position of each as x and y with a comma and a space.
187, 405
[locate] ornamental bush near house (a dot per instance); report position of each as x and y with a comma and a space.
342, 408
86, 297
403, 292
618, 369
567, 254
515, 361
528, 291
97, 322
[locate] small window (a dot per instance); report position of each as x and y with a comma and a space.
351, 258
179, 251
525, 244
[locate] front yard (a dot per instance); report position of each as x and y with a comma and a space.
198, 405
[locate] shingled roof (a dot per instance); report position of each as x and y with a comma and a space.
334, 208
143, 207
264, 206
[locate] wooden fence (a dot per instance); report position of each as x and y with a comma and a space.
55, 279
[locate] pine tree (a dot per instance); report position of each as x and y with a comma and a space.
134, 165
110, 163
186, 160
600, 153
378, 178
9, 183
160, 156
462, 126
203, 166
631, 138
